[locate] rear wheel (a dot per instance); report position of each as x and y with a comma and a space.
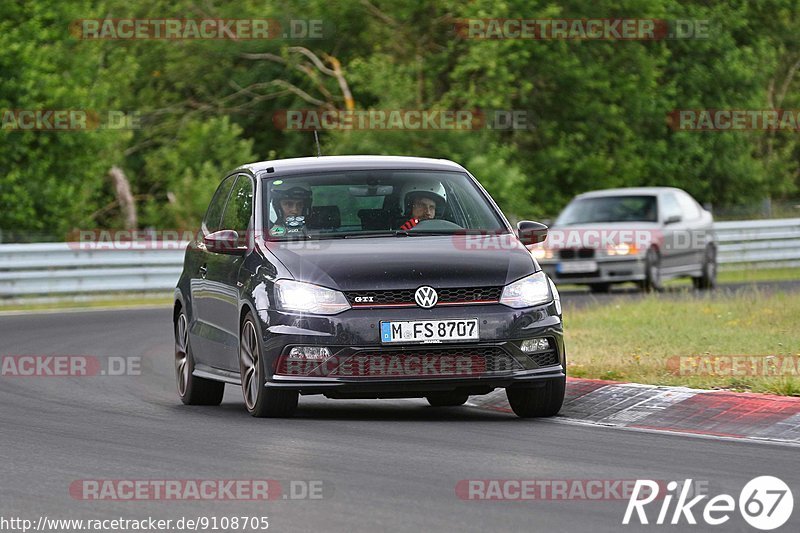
191, 389
447, 399
258, 399
538, 402
652, 269
708, 279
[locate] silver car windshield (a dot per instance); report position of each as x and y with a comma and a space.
609, 209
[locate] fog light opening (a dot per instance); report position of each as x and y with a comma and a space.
309, 353
539, 344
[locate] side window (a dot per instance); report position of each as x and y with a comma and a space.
691, 210
240, 206
669, 206
211, 222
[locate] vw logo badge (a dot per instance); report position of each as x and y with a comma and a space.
426, 297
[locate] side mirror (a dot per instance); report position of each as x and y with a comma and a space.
224, 241
672, 220
531, 232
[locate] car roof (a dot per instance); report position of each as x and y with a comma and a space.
302, 165
628, 191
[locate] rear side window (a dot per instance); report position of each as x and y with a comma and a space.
211, 222
240, 206
691, 210
669, 206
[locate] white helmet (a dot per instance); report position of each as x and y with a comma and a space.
430, 189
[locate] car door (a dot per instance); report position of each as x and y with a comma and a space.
698, 229
221, 307
201, 333
677, 254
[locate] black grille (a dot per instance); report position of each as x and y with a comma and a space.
545, 358
580, 253
406, 296
399, 362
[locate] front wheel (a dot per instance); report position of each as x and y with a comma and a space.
652, 270
258, 399
192, 389
539, 402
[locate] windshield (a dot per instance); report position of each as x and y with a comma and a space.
368, 203
609, 209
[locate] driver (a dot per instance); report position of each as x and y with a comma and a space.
421, 203
292, 205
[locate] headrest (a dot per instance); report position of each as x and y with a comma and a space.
324, 217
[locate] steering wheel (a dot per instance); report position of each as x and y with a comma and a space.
436, 225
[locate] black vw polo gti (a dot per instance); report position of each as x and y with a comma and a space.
365, 277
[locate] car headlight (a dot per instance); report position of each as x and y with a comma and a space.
622, 249
308, 298
542, 253
528, 291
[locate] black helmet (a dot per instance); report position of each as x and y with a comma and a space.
285, 191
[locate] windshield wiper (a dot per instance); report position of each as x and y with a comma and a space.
377, 233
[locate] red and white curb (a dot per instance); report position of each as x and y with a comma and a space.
675, 409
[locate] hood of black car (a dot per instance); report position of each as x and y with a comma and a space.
406, 262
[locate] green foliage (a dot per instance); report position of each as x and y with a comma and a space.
191, 168
597, 110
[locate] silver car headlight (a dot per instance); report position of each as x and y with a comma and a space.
528, 291
293, 295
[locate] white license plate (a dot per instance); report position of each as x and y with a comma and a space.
576, 267
429, 331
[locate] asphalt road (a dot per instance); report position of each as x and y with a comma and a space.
384, 465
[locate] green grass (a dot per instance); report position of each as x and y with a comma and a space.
641, 340
746, 275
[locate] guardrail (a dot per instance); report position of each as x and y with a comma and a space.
61, 268
773, 243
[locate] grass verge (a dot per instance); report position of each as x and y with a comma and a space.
747, 341
85, 302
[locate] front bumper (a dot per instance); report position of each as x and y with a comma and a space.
609, 270
357, 331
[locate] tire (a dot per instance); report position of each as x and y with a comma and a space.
447, 399
539, 402
652, 268
191, 389
708, 280
600, 288
260, 401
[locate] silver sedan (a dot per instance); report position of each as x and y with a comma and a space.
646, 235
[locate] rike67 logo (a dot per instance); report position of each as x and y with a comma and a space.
765, 502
